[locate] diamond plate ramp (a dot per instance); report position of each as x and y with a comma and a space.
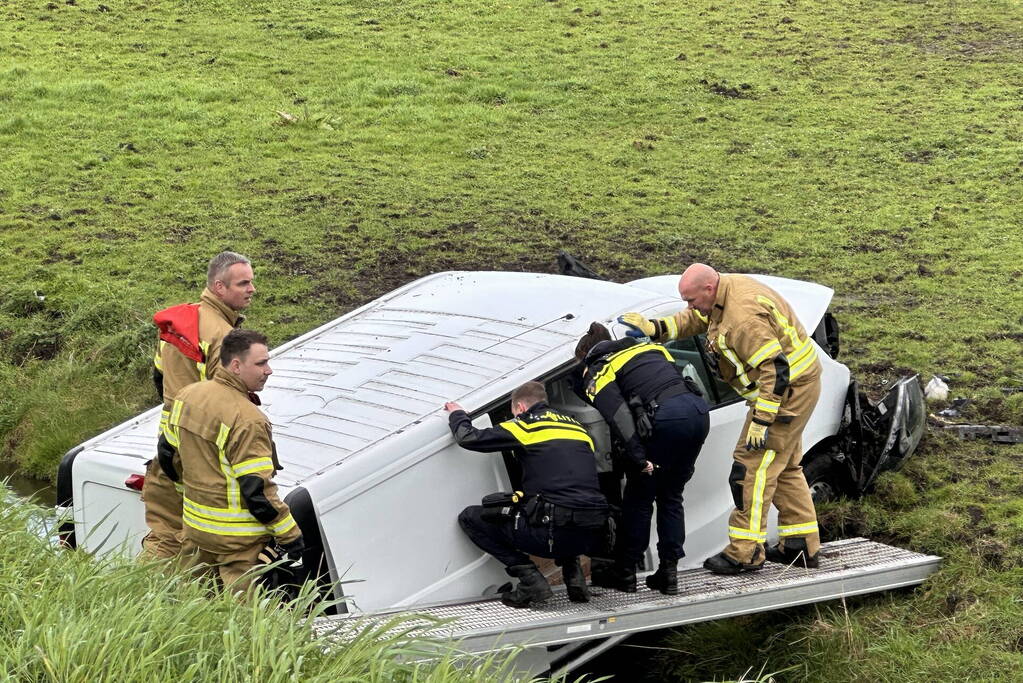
849, 567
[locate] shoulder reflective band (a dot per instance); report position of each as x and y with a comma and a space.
616, 361
540, 432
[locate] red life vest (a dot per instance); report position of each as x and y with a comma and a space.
179, 325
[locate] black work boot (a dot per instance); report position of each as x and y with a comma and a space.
793, 553
665, 579
621, 577
533, 588
575, 581
723, 564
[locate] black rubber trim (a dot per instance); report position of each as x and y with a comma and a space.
66, 494
302, 509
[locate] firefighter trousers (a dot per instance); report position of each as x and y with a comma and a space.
162, 500
232, 571
773, 475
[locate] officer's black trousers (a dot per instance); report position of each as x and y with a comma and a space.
511, 541
680, 428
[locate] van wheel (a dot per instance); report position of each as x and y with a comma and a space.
822, 478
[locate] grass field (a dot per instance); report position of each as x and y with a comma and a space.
873, 146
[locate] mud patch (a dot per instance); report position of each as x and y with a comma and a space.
973, 40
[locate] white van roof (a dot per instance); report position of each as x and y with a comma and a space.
382, 369
375, 373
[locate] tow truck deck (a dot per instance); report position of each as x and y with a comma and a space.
848, 567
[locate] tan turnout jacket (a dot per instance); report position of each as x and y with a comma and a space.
216, 319
761, 347
227, 456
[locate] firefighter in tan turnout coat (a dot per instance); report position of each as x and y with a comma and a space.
764, 353
231, 506
189, 352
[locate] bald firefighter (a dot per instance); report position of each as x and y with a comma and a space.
189, 352
764, 353
231, 507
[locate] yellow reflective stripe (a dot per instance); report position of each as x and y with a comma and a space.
283, 526
527, 438
544, 424
803, 365
748, 394
700, 316
234, 495
224, 529
768, 406
736, 532
764, 352
171, 429
740, 370
759, 484
201, 365
671, 327
254, 465
158, 356
798, 529
209, 512
615, 362
179, 487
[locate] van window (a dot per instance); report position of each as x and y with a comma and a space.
693, 363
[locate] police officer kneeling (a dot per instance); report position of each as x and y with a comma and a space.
563, 513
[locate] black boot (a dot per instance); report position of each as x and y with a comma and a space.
533, 588
575, 581
621, 577
793, 553
723, 564
665, 579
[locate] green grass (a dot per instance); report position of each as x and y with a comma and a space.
67, 617
870, 146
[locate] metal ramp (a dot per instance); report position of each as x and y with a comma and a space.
848, 567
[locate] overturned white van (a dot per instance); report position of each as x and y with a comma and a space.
371, 471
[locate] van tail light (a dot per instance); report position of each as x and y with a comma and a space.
135, 482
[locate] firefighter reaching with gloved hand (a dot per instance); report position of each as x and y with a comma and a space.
231, 507
562, 512
763, 351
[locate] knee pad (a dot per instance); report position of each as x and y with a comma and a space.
735, 479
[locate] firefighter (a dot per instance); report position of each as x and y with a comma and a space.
188, 352
662, 421
231, 507
562, 514
763, 351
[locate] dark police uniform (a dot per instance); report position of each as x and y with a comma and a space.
624, 371
557, 461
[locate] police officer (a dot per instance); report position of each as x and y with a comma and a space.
662, 422
231, 507
195, 331
564, 512
763, 351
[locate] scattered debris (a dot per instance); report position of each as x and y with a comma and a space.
968, 432
956, 409
286, 118
936, 389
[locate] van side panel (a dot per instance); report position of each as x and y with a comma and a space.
396, 531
